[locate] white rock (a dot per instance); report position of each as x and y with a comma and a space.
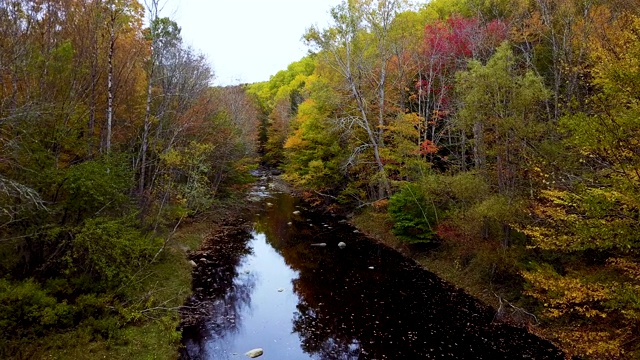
269, 204
297, 212
370, 267
289, 223
319, 244
280, 289
342, 245
254, 353
193, 263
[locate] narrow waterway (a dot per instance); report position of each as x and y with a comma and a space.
276, 287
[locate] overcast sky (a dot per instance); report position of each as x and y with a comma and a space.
247, 41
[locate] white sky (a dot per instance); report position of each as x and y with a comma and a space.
248, 41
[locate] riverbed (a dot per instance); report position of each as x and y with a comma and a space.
287, 285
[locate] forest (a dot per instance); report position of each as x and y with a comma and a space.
497, 140
111, 137
501, 136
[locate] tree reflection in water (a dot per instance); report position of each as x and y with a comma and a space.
397, 310
362, 302
221, 294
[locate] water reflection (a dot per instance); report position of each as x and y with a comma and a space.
361, 302
221, 294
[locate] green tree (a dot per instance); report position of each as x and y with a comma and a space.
499, 106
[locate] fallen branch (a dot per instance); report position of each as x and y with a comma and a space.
515, 311
167, 239
326, 195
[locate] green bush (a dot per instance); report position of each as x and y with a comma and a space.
26, 310
413, 216
110, 251
97, 186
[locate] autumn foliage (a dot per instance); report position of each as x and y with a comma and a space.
504, 131
110, 136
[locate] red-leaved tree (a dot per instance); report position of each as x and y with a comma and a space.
448, 46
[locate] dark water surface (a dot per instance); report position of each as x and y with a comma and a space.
273, 289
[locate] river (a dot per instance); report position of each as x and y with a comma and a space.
274, 286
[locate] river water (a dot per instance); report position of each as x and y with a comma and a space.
273, 287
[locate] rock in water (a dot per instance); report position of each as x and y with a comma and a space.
254, 353
342, 245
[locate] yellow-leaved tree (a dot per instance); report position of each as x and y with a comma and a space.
588, 231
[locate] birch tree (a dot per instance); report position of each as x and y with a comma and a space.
356, 47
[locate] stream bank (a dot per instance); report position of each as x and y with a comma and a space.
301, 284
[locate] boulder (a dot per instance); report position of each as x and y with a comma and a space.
254, 353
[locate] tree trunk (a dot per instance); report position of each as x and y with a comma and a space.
479, 153
112, 42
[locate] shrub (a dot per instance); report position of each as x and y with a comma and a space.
26, 310
414, 219
109, 251
97, 186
